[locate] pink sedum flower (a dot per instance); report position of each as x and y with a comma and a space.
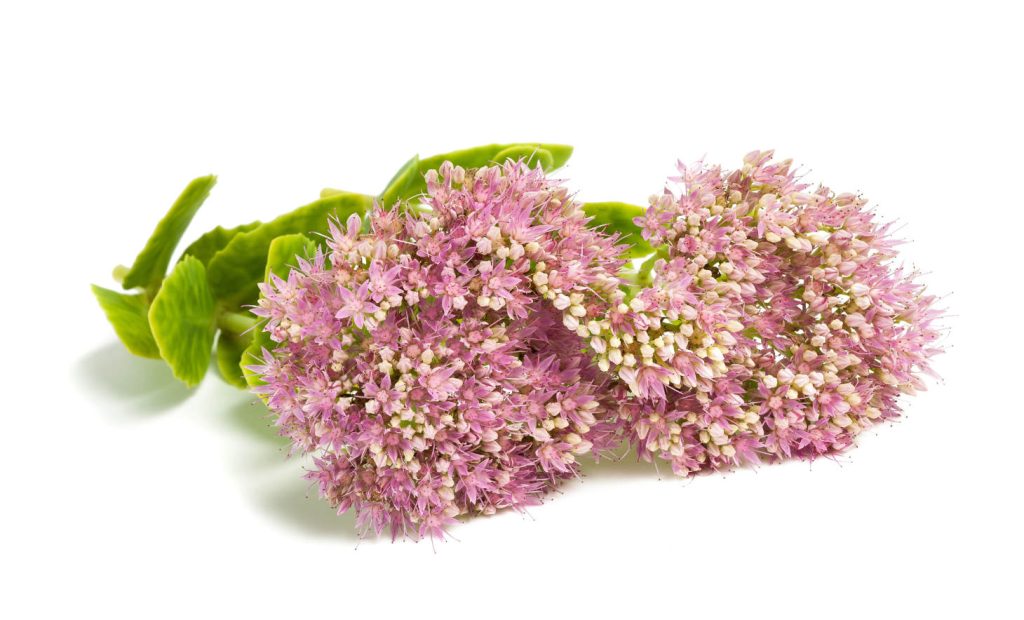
776, 326
425, 363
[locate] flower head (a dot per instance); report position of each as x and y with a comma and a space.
776, 324
425, 363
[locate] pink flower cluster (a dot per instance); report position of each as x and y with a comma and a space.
460, 356
425, 363
791, 329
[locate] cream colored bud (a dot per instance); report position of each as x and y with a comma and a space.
819, 237
571, 322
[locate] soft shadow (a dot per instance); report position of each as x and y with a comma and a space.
147, 385
293, 500
274, 482
252, 417
628, 465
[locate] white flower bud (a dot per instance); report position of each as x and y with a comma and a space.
571, 322
515, 251
819, 237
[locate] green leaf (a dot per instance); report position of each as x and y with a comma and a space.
183, 319
328, 192
229, 358
489, 154
281, 256
236, 271
280, 259
253, 356
530, 154
128, 315
151, 264
643, 274
618, 217
205, 247
403, 183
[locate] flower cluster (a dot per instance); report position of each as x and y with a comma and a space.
792, 329
425, 363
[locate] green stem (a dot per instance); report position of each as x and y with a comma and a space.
236, 322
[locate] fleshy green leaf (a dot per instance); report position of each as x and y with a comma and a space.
128, 315
281, 256
489, 154
280, 259
405, 184
182, 318
328, 192
230, 349
532, 155
253, 356
235, 271
618, 217
150, 265
643, 277
205, 247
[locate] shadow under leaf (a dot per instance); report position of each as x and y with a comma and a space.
146, 385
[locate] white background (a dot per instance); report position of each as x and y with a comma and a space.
126, 496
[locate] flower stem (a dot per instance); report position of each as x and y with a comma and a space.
236, 322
